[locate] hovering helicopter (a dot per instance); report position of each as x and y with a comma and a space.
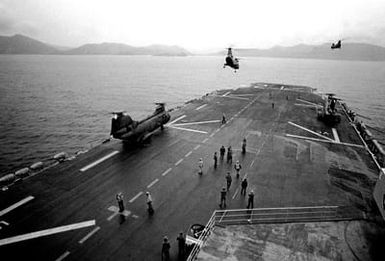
231, 61
337, 45
123, 127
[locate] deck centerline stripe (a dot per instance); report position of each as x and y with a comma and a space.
236, 192
195, 122
93, 164
89, 235
185, 129
46, 232
197, 147
135, 197
152, 183
204, 141
16, 205
227, 93
178, 162
166, 172
64, 255
112, 216
177, 119
188, 154
200, 107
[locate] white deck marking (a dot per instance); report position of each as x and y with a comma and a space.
115, 209
212, 134
188, 154
135, 197
177, 119
16, 205
252, 163
93, 164
200, 107
235, 97
173, 143
166, 172
178, 162
135, 216
196, 122
152, 183
204, 141
197, 147
64, 255
335, 134
327, 141
236, 192
46, 232
313, 132
192, 130
227, 93
217, 130
89, 235
311, 103
282, 87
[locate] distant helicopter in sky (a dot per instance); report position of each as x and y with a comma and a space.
337, 45
231, 61
123, 127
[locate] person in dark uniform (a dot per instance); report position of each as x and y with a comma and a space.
250, 203
181, 246
223, 197
119, 198
228, 180
244, 146
215, 160
229, 155
165, 249
244, 186
222, 151
223, 118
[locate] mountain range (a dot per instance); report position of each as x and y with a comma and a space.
20, 44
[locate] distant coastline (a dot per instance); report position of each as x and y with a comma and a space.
20, 44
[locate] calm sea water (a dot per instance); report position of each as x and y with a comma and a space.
50, 104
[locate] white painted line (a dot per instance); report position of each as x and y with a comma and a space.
282, 87
200, 107
192, 130
135, 216
188, 154
239, 98
333, 142
178, 162
60, 258
152, 183
197, 147
112, 216
227, 93
135, 197
335, 134
93, 164
46, 232
166, 172
172, 143
89, 235
311, 103
304, 105
204, 141
212, 134
16, 205
217, 130
177, 119
236, 192
252, 163
196, 122
313, 132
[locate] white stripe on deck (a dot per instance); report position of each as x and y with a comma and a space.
178, 162
93, 164
64, 255
152, 183
227, 93
89, 235
197, 147
16, 205
196, 122
200, 107
46, 232
185, 129
306, 129
177, 119
204, 141
135, 197
188, 154
335, 134
166, 172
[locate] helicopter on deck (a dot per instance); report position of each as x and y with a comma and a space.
231, 61
123, 127
337, 45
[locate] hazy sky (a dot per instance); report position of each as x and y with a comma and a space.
196, 24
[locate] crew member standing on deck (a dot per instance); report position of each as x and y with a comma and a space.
244, 146
222, 151
229, 155
200, 165
250, 203
244, 186
223, 118
119, 198
165, 249
237, 167
181, 246
215, 160
223, 198
228, 180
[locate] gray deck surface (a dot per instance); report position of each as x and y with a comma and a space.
283, 171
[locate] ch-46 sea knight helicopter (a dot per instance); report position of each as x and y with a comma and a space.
123, 127
231, 61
